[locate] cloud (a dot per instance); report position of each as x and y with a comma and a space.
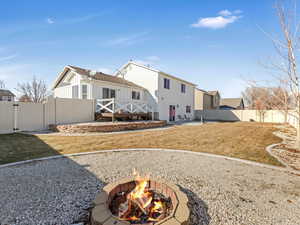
127, 40
9, 57
143, 62
10, 72
81, 19
49, 20
148, 61
74, 20
238, 11
153, 58
225, 13
225, 18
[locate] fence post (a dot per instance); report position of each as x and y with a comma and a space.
55, 121
15, 107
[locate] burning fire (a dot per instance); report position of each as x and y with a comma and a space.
141, 198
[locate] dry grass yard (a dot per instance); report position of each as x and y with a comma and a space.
245, 140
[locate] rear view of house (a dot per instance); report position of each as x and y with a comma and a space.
172, 97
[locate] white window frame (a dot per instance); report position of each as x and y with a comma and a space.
72, 90
135, 95
167, 83
183, 88
84, 95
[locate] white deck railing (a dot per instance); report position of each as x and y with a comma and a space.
113, 105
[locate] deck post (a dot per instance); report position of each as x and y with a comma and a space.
113, 110
152, 113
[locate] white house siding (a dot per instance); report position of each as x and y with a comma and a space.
161, 98
64, 89
123, 93
174, 96
63, 92
146, 78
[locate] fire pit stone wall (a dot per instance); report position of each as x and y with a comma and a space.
101, 214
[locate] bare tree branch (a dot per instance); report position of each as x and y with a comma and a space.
2, 84
34, 91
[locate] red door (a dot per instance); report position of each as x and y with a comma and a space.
172, 113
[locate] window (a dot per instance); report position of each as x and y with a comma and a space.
188, 109
84, 91
183, 87
135, 95
108, 93
9, 98
75, 91
166, 83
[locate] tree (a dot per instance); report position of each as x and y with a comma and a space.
34, 91
264, 98
2, 84
287, 51
24, 98
258, 98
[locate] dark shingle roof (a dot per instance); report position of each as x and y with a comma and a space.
4, 92
232, 102
104, 77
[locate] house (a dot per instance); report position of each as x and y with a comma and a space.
6, 95
111, 93
206, 99
232, 103
171, 96
134, 88
76, 82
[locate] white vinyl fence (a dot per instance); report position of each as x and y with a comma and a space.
272, 116
23, 116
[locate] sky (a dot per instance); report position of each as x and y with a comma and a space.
214, 44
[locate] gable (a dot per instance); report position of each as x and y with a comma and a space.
69, 78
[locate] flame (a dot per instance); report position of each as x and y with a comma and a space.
158, 206
143, 198
140, 192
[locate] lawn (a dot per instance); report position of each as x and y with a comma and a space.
244, 140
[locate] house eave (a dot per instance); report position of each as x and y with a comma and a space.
60, 77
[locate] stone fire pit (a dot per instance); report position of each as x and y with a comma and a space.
102, 215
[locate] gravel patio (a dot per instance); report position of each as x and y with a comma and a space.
221, 191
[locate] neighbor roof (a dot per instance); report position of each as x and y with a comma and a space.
232, 102
155, 70
4, 92
208, 92
96, 76
212, 92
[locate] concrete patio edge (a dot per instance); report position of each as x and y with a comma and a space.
283, 169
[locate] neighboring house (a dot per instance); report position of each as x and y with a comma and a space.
206, 99
6, 95
172, 97
232, 103
75, 82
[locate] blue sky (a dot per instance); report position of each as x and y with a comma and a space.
215, 44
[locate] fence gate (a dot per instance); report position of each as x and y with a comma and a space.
21, 116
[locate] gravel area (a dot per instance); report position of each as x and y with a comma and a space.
285, 152
220, 191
